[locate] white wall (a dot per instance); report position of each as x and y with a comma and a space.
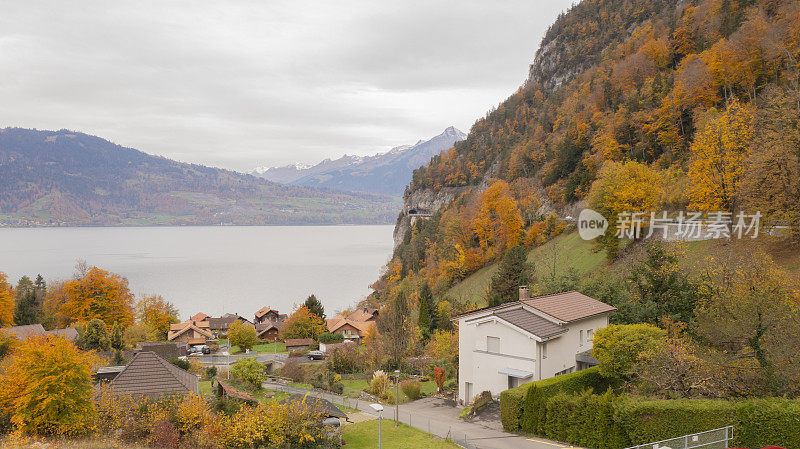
561, 351
476, 365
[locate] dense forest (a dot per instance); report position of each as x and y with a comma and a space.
64, 177
629, 105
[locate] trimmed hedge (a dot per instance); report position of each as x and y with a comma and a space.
566, 408
511, 400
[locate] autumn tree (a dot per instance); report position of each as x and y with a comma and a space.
46, 387
52, 315
630, 187
618, 347
6, 301
498, 222
242, 335
443, 347
395, 329
302, 324
718, 156
315, 306
514, 272
156, 314
116, 339
755, 314
99, 294
771, 182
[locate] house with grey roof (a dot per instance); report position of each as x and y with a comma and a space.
526, 340
33, 330
151, 376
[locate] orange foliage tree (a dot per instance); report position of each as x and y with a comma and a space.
156, 314
302, 324
46, 387
498, 223
6, 301
718, 154
99, 294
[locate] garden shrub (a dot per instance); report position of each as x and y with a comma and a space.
181, 363
327, 337
293, 370
345, 359
250, 371
412, 389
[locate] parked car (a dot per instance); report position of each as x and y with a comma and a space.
316, 355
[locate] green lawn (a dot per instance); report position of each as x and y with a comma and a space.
365, 435
205, 388
354, 387
568, 250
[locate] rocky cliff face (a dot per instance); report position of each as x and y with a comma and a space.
420, 205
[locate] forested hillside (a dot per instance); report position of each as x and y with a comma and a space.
64, 177
630, 105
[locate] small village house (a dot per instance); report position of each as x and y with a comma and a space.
268, 315
219, 326
32, 330
530, 339
190, 333
269, 330
354, 326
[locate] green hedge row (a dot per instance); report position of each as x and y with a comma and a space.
511, 400
568, 410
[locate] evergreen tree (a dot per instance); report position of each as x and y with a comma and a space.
315, 306
514, 271
27, 308
116, 339
427, 313
95, 336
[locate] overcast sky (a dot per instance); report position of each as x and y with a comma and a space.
238, 84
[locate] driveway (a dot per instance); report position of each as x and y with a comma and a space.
440, 417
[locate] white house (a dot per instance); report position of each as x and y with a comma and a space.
515, 343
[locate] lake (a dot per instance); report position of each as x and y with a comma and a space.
213, 269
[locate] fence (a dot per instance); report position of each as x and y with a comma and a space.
710, 439
223, 359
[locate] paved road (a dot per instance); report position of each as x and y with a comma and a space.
438, 417
225, 360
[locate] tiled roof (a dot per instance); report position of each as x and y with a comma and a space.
530, 322
199, 317
173, 334
149, 375
27, 331
264, 310
299, 342
569, 306
69, 333
323, 405
362, 314
335, 324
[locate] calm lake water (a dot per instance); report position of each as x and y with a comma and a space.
213, 269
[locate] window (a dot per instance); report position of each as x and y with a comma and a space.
544, 350
580, 338
589, 335
493, 345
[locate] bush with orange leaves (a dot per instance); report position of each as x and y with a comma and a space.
46, 388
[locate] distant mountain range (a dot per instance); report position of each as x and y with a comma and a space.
70, 178
385, 173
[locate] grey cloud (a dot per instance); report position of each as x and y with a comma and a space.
244, 83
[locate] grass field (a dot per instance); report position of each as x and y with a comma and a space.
365, 435
565, 252
354, 387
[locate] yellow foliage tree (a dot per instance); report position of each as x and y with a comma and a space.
718, 154
46, 387
99, 294
498, 223
6, 301
156, 314
303, 324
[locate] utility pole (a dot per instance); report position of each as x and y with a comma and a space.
396, 398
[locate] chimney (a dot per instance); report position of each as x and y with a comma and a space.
524, 293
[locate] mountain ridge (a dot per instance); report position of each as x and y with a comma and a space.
384, 173
71, 178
